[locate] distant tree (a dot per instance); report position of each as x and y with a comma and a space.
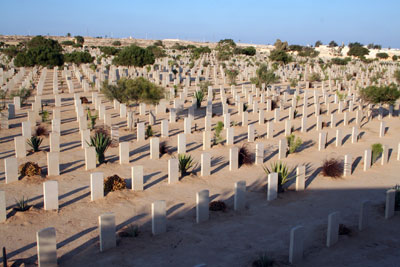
40, 51
134, 56
308, 52
78, 57
374, 46
79, 39
157, 51
318, 43
198, 51
232, 74
116, 43
158, 43
279, 45
395, 57
295, 47
340, 61
357, 50
225, 49
10, 51
67, 43
380, 94
248, 51
280, 56
68, 34
333, 44
133, 91
109, 50
264, 75
382, 55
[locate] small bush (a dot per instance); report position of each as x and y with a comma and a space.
84, 100
217, 206
100, 141
45, 115
29, 169
293, 143
217, 133
131, 230
283, 173
263, 261
332, 168
113, 183
199, 95
185, 163
164, 148
22, 204
344, 230
244, 156
34, 142
377, 150
149, 132
41, 131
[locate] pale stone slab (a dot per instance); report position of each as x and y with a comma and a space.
50, 195
259, 153
53, 163
137, 178
240, 196
333, 229
158, 217
282, 148
108, 238
230, 136
272, 186
3, 207
300, 178
164, 128
54, 139
20, 147
96, 186
367, 159
124, 153
11, 169
390, 203
296, 244
348, 165
90, 158
205, 164
206, 140
47, 247
85, 138
202, 203
233, 158
154, 148
181, 143
140, 132
173, 171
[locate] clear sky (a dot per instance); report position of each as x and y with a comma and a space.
250, 21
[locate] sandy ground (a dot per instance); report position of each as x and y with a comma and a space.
228, 238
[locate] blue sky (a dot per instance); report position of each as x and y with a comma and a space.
260, 22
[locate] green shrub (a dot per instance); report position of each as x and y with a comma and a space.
100, 141
78, 57
293, 143
380, 94
280, 56
185, 163
217, 132
134, 56
283, 173
199, 95
314, 77
22, 204
34, 142
116, 43
149, 132
382, 55
376, 151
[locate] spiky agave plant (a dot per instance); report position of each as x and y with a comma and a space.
283, 173
34, 142
199, 95
101, 141
185, 163
22, 204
